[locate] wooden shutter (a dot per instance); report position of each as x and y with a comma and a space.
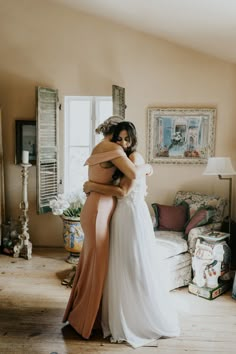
118, 100
47, 146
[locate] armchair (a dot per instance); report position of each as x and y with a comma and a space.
176, 248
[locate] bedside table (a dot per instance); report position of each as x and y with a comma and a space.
211, 265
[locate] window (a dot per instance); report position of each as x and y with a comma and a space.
82, 115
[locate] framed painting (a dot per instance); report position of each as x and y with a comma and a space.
181, 135
25, 140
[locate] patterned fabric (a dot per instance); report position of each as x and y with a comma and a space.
196, 200
172, 248
179, 278
196, 232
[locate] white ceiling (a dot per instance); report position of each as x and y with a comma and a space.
208, 26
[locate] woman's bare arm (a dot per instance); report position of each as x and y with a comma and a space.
123, 163
120, 191
128, 168
106, 189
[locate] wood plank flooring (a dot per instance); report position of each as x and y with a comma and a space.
32, 303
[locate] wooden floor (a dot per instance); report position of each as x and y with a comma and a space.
32, 303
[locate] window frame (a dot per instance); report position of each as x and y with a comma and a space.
48, 112
93, 137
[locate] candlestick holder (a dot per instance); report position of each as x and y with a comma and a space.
23, 247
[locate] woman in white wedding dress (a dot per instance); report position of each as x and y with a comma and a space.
136, 307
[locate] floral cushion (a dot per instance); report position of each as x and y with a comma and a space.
196, 200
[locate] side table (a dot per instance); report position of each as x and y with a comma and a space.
211, 265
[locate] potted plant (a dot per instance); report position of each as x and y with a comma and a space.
69, 209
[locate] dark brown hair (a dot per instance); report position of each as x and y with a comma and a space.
131, 131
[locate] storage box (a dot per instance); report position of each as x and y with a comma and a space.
209, 293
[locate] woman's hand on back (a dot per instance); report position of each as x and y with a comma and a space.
86, 188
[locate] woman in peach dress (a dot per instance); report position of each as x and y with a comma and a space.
82, 310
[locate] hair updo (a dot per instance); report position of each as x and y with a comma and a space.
108, 126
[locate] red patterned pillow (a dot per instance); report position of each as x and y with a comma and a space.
201, 217
171, 218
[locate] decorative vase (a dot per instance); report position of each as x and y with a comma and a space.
73, 238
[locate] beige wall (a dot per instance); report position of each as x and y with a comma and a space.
81, 55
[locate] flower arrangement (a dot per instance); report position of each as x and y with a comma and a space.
68, 206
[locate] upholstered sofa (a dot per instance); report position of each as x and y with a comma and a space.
176, 248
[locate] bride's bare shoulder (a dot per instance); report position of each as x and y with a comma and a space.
105, 146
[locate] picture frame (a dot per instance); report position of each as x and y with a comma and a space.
180, 135
25, 140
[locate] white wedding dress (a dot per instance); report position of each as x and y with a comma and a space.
137, 307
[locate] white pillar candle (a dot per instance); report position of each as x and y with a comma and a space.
25, 156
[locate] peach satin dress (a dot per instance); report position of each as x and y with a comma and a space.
86, 294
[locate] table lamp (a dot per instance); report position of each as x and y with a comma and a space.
222, 166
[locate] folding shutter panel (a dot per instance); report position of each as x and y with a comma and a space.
118, 100
47, 147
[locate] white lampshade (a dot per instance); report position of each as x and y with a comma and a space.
219, 166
